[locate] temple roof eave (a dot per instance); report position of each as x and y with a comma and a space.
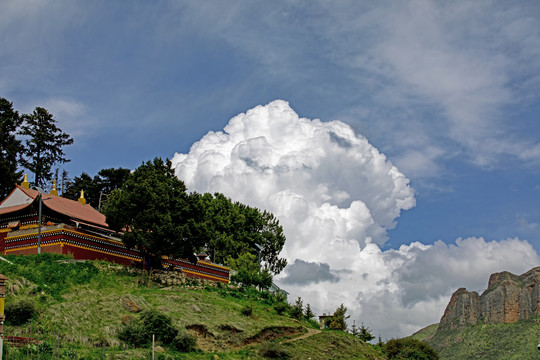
70, 208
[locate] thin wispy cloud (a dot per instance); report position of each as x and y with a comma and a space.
449, 58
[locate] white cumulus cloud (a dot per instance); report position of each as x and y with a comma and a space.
336, 196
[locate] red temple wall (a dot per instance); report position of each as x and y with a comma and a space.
88, 247
89, 254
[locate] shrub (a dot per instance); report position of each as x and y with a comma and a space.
135, 335
185, 342
152, 323
247, 310
45, 348
274, 350
19, 313
409, 349
281, 307
160, 325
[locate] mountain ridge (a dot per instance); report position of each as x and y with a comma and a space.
507, 299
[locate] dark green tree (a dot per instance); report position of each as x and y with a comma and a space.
364, 333
98, 188
297, 309
309, 313
112, 179
65, 181
409, 348
83, 182
43, 145
233, 228
10, 148
246, 271
338, 319
155, 213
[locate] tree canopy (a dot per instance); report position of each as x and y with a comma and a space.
159, 217
246, 271
10, 148
43, 145
409, 348
153, 210
233, 229
100, 186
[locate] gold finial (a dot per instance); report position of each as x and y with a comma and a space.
82, 200
54, 191
25, 183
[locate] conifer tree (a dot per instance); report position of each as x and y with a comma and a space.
10, 148
65, 181
43, 145
309, 313
297, 310
338, 319
364, 333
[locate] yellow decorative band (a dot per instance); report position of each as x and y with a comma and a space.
205, 275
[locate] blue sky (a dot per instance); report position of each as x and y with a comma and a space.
448, 92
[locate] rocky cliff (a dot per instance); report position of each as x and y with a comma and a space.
507, 299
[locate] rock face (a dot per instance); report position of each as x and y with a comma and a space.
508, 298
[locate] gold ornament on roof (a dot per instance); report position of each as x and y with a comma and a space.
25, 183
54, 191
82, 200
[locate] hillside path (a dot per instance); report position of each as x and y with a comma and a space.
310, 332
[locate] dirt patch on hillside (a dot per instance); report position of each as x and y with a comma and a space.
230, 329
206, 341
274, 332
310, 332
199, 330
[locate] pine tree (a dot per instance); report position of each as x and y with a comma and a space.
44, 144
354, 329
297, 310
338, 319
65, 181
309, 313
10, 148
365, 334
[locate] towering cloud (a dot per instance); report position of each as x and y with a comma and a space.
336, 196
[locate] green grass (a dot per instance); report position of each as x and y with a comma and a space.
425, 333
81, 303
333, 345
501, 341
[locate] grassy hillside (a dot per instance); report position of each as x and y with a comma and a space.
502, 341
426, 333
80, 307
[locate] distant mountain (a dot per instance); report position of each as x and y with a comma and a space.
508, 298
501, 323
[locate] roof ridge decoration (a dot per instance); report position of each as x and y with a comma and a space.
81, 199
54, 192
25, 184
